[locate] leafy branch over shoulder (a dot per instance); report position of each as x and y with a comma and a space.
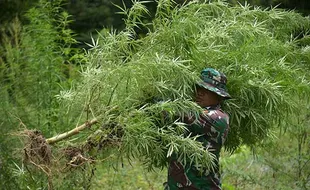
264, 69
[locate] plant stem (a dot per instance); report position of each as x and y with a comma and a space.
72, 132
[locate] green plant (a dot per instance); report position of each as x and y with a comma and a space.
129, 82
36, 63
281, 163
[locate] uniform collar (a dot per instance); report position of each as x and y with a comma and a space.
213, 107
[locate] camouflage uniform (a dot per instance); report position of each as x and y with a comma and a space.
212, 125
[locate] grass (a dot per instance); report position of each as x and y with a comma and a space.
129, 176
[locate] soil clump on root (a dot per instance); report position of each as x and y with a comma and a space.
36, 149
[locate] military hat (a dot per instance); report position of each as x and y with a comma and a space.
214, 81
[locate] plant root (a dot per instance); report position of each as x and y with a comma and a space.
75, 157
38, 153
36, 149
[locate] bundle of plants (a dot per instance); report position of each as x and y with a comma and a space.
137, 89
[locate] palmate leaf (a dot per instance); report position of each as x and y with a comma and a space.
143, 78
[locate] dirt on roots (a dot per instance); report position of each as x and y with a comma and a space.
36, 149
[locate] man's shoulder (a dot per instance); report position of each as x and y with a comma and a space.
217, 117
215, 114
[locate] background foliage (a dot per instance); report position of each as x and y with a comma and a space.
127, 80
34, 67
92, 15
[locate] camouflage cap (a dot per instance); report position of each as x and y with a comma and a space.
214, 81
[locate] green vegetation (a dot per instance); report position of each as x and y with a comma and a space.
33, 69
130, 83
282, 163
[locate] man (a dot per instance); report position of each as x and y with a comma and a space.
212, 126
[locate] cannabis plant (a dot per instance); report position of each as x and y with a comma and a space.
138, 89
34, 67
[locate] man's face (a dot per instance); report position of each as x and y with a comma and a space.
205, 97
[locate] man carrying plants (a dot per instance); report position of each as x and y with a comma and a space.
212, 127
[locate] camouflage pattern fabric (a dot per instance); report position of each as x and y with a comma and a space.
214, 81
213, 126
